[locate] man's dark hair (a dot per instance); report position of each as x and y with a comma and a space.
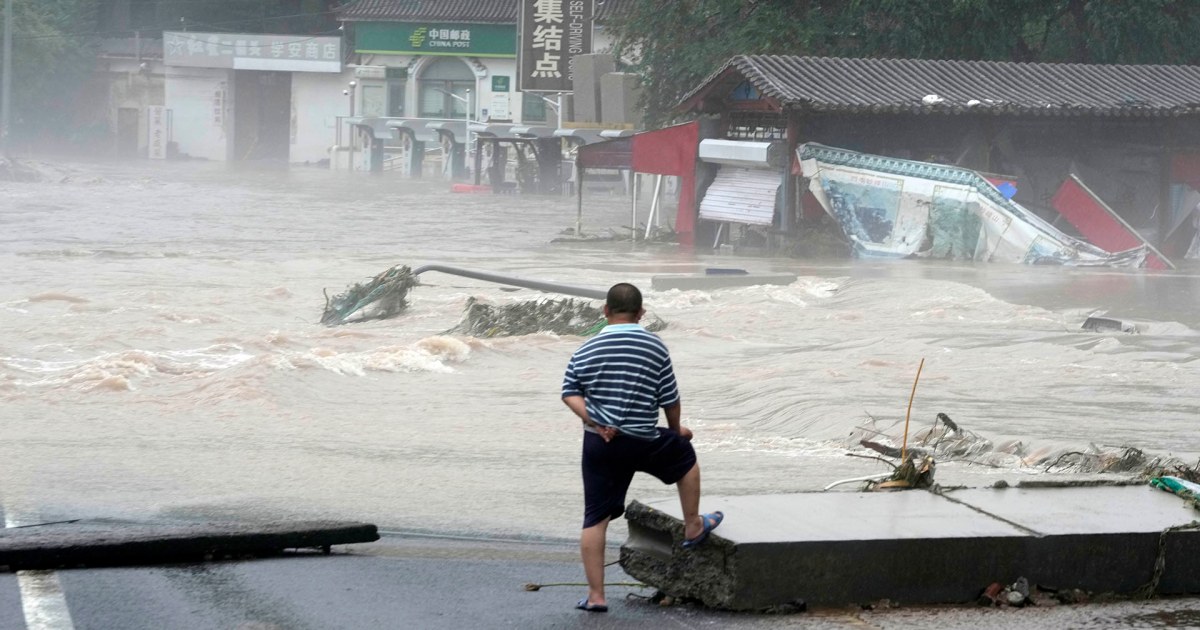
624, 298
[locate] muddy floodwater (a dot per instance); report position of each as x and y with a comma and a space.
160, 355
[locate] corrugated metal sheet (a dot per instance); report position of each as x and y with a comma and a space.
824, 84
741, 195
472, 11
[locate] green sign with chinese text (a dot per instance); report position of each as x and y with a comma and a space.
500, 83
409, 38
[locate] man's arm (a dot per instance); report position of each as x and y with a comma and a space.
576, 404
673, 412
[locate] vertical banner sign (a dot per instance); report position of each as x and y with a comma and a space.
156, 132
553, 32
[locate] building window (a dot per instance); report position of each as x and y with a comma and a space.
533, 108
440, 83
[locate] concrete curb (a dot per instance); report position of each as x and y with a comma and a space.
104, 544
918, 547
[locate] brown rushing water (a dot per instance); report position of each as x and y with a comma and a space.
160, 356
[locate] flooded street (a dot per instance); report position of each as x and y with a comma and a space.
160, 355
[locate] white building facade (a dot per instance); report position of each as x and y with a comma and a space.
238, 96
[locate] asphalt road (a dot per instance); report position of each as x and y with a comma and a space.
403, 582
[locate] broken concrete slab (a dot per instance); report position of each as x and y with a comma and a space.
706, 281
1108, 324
913, 547
108, 544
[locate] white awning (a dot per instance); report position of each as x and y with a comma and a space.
741, 195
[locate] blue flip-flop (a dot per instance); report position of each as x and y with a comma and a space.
710, 522
584, 604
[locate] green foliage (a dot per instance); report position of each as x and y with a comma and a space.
675, 45
50, 58
55, 45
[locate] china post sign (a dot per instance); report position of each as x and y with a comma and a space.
552, 33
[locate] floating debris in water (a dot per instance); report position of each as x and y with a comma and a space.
947, 442
564, 316
1108, 324
386, 295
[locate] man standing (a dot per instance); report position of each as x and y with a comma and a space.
616, 382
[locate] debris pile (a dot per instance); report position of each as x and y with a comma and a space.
565, 316
384, 296
1021, 593
947, 442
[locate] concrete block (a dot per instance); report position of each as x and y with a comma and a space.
586, 84
705, 282
619, 95
914, 547
107, 544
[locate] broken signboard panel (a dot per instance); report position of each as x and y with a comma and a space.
895, 208
1100, 224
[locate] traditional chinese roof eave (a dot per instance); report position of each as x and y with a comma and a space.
927, 87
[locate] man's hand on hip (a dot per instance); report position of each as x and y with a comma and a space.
685, 433
608, 433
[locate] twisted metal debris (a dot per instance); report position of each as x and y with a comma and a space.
384, 296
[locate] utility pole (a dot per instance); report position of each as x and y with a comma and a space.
6, 82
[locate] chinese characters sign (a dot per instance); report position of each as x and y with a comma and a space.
295, 53
423, 38
157, 132
552, 33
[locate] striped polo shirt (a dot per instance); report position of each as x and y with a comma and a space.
624, 375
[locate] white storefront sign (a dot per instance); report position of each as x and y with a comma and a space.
244, 51
156, 132
499, 107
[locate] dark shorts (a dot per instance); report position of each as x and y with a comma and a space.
608, 468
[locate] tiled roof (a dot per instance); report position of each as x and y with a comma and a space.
473, 11
823, 84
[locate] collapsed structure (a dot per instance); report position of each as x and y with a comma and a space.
1085, 161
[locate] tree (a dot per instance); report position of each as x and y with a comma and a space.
55, 44
50, 59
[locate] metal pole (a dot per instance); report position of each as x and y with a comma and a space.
6, 84
579, 196
539, 285
467, 139
633, 215
650, 220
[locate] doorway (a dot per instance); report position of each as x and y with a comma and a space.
262, 115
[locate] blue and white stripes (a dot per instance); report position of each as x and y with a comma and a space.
624, 375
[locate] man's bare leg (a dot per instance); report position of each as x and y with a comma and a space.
689, 500
591, 549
